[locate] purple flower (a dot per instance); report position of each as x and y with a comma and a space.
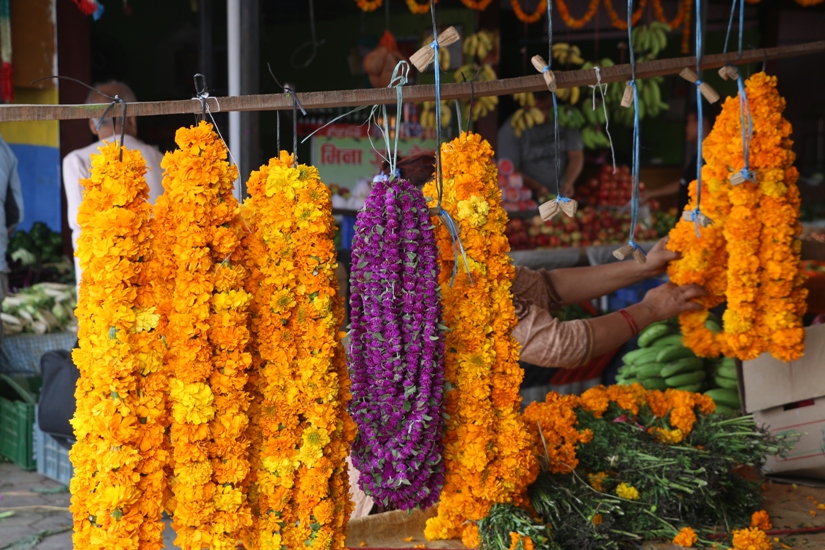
396, 356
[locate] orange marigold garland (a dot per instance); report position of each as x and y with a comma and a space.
301, 483
753, 242
488, 452
479, 5
678, 19
417, 8
619, 22
369, 5
572, 22
205, 334
107, 507
529, 17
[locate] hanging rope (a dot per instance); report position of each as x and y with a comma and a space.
746, 121
631, 248
567, 205
296, 104
446, 219
601, 88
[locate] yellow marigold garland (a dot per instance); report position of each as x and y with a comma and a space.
206, 336
302, 491
488, 450
107, 507
753, 240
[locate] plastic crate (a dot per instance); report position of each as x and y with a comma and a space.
18, 398
632, 294
52, 458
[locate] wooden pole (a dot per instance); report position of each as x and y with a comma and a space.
413, 94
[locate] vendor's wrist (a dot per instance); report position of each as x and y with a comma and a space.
643, 314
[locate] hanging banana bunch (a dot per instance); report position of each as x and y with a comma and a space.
479, 45
566, 54
650, 40
427, 118
525, 118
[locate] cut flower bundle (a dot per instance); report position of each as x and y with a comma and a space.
396, 359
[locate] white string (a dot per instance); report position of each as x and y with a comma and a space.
601, 88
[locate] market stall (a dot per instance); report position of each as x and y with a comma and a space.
215, 385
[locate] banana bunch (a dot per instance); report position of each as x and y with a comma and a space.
525, 99
564, 53
570, 117
651, 39
482, 106
427, 117
594, 138
650, 100
485, 72
526, 117
662, 361
726, 392
570, 95
479, 45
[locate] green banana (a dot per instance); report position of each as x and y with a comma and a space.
726, 371
692, 388
713, 326
692, 377
671, 338
725, 382
648, 371
722, 396
654, 384
631, 356
727, 411
629, 381
672, 353
682, 366
652, 333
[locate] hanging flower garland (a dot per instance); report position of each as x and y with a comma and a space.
678, 19
301, 478
479, 5
107, 458
572, 22
417, 8
541, 8
487, 449
621, 22
397, 353
753, 240
206, 336
369, 5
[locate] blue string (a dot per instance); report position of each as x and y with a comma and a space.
446, 219
700, 121
636, 146
730, 26
556, 151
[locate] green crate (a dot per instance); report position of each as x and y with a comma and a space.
18, 398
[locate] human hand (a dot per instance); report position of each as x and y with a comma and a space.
568, 189
669, 300
658, 258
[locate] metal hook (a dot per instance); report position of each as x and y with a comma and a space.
201, 92
472, 99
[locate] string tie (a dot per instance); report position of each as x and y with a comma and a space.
458, 247
546, 68
601, 87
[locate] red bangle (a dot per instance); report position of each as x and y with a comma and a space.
634, 328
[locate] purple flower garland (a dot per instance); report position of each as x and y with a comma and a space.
396, 356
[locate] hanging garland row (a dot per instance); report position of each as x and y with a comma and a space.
750, 256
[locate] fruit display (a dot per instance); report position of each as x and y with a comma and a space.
589, 227
663, 361
607, 188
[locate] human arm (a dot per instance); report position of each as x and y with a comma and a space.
74, 169
575, 165
580, 284
669, 189
549, 342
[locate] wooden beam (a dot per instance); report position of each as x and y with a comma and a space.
413, 94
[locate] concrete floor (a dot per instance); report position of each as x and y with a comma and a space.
38, 513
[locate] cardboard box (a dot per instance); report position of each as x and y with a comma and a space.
790, 397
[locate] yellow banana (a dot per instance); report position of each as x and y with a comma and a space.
574, 95
537, 115
471, 45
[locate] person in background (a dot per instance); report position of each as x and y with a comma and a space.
11, 213
77, 164
533, 153
680, 187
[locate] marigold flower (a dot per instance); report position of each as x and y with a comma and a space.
686, 538
627, 491
761, 520
751, 538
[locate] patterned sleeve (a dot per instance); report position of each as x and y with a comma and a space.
546, 341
